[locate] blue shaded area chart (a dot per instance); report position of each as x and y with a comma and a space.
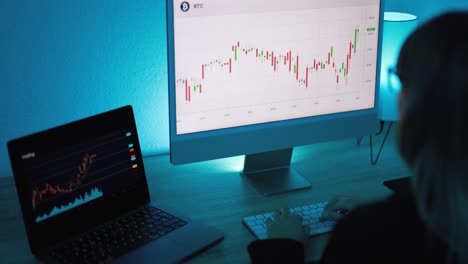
95, 193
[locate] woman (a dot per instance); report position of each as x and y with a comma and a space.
429, 224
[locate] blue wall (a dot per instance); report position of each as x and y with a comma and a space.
65, 60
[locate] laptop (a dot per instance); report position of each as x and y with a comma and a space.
84, 197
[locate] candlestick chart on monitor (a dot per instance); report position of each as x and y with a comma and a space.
248, 68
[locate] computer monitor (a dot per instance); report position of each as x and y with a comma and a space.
260, 77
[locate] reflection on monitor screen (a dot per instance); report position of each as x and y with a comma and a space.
259, 77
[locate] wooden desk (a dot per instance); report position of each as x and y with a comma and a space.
214, 192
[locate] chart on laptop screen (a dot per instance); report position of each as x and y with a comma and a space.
79, 173
242, 62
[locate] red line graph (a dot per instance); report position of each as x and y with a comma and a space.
38, 192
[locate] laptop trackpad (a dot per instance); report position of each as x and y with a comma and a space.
176, 246
164, 250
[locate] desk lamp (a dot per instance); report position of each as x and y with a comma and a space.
397, 27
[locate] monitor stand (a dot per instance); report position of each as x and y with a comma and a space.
270, 172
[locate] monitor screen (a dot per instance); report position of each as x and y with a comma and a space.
252, 76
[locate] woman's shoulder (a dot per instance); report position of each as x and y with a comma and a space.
386, 231
396, 207
392, 216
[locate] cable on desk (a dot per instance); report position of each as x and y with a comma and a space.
373, 162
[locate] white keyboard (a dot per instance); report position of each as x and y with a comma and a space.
310, 216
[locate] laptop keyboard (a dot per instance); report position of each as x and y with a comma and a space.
117, 237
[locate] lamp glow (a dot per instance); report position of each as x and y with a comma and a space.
397, 27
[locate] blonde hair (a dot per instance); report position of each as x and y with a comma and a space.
433, 67
440, 189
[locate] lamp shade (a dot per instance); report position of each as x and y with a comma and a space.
397, 27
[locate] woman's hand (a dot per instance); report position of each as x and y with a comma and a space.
339, 206
287, 225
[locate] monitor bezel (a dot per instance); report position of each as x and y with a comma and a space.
249, 139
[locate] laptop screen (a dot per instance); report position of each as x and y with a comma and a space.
72, 177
